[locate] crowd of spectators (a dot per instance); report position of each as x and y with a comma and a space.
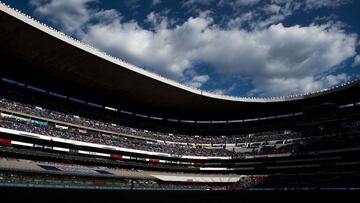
35, 178
92, 161
130, 143
328, 131
311, 182
126, 183
329, 141
10, 101
276, 182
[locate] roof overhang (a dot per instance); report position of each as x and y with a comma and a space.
35, 54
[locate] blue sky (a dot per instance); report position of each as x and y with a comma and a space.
241, 47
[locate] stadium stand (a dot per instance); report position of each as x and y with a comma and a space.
161, 135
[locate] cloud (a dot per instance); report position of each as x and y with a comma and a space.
356, 61
294, 86
198, 81
192, 3
267, 13
272, 53
238, 22
155, 2
315, 4
238, 3
264, 15
245, 2
278, 59
71, 15
133, 4
158, 21
225, 91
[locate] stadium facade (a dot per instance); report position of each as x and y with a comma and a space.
68, 109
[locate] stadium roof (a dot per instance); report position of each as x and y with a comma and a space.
36, 54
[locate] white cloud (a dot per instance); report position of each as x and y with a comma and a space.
278, 59
263, 16
311, 4
356, 61
105, 16
294, 86
225, 91
237, 3
238, 22
158, 21
191, 3
272, 8
272, 53
155, 2
271, 12
133, 4
277, 51
198, 80
70, 14
201, 78
245, 2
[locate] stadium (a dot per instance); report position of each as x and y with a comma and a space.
75, 117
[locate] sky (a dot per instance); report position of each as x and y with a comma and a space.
251, 48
